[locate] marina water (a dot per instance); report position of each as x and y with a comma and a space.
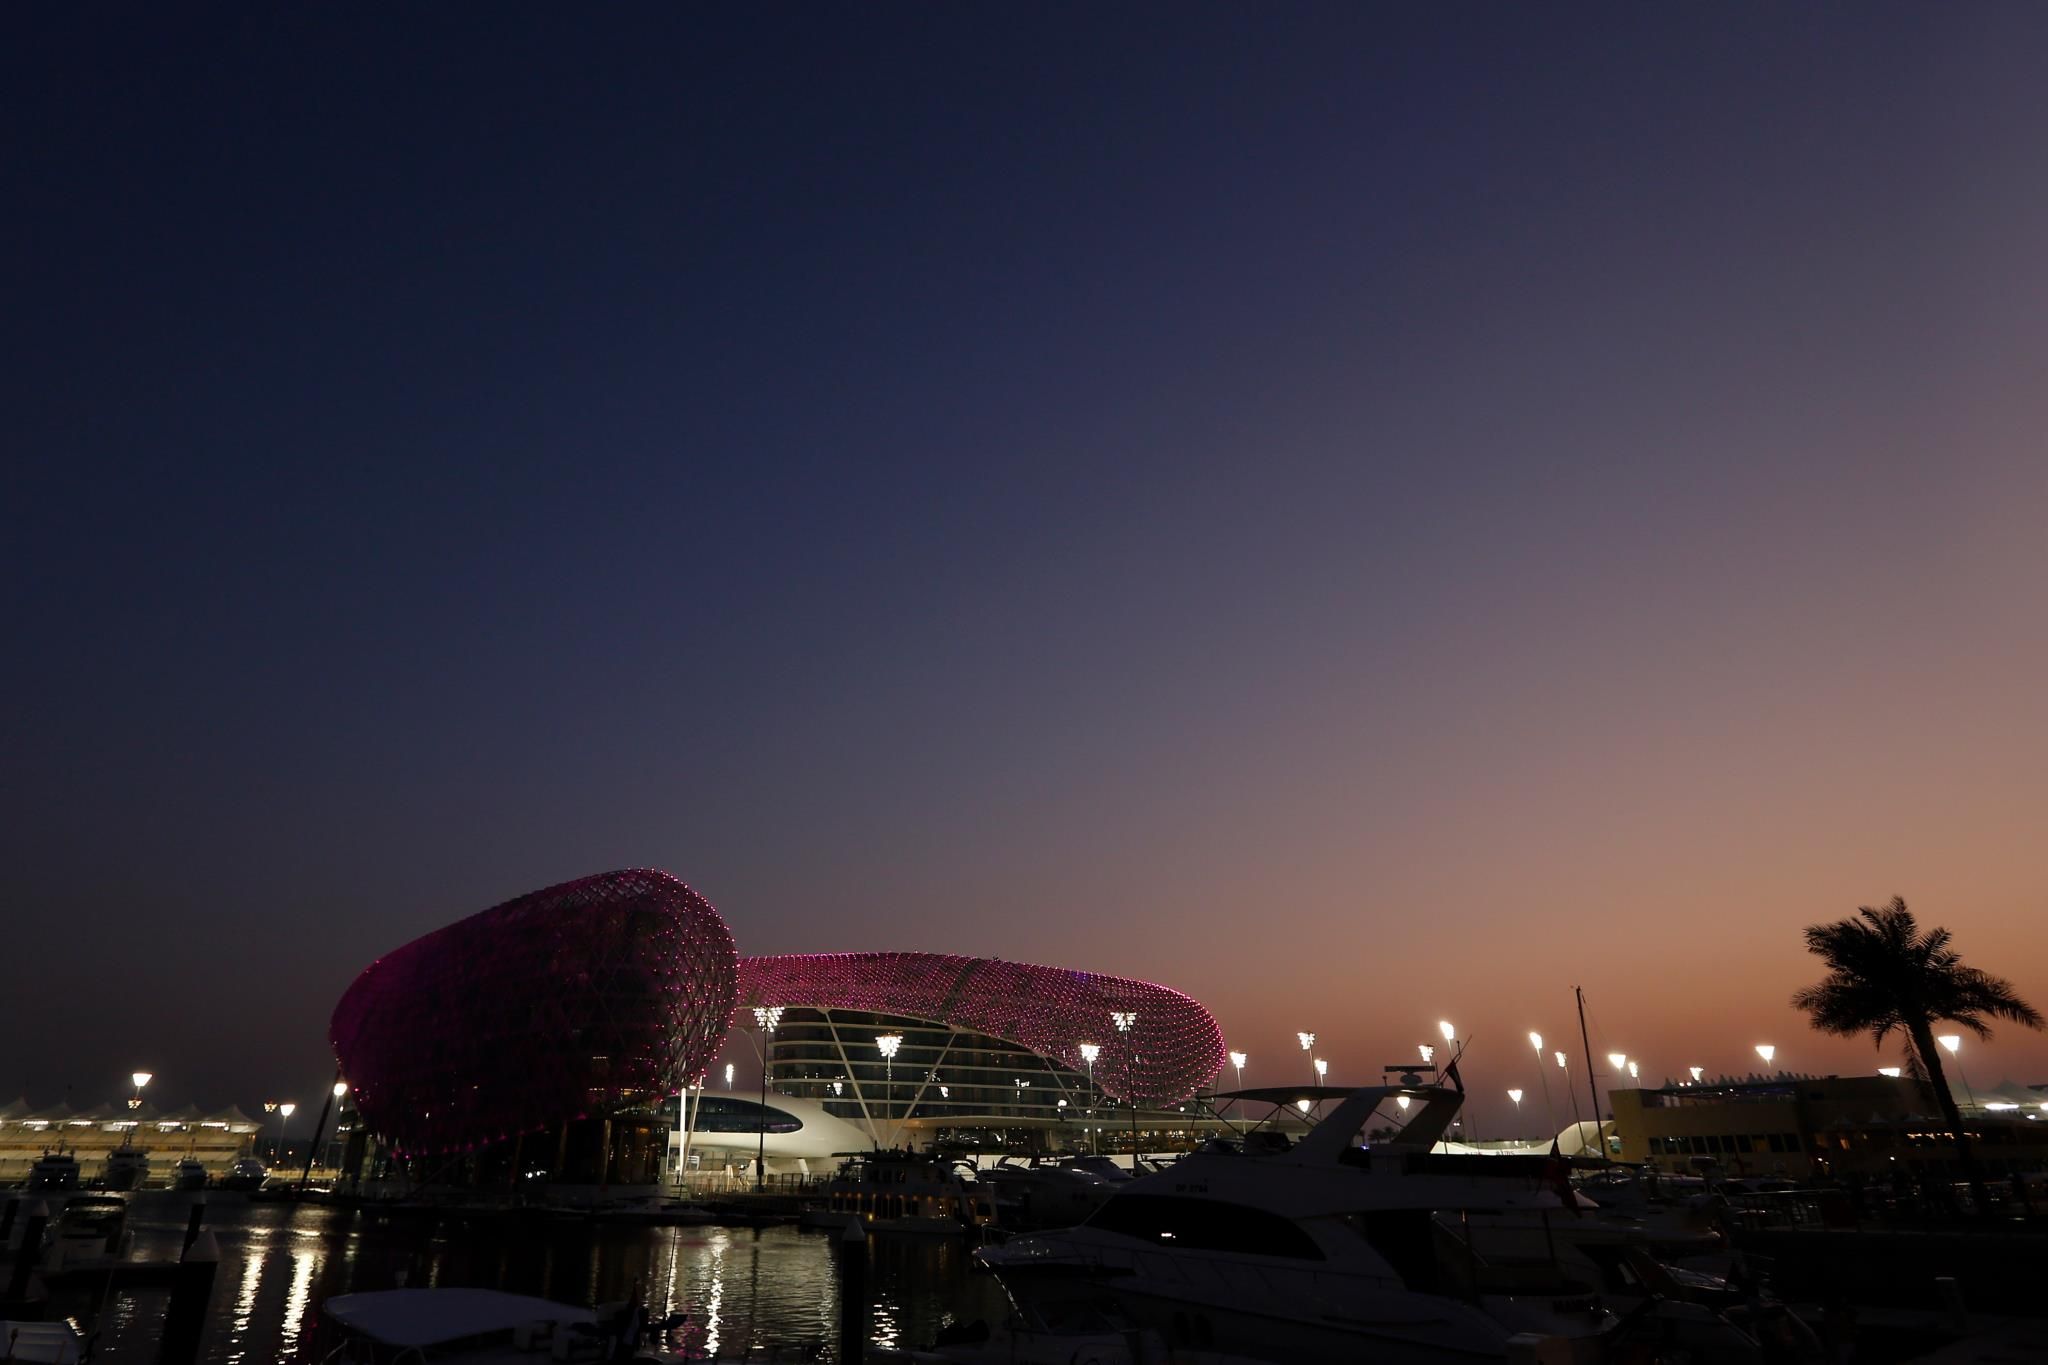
743, 1288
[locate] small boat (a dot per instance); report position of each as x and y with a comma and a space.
895, 1191
40, 1343
1032, 1196
127, 1168
54, 1171
481, 1326
92, 1230
189, 1174
246, 1175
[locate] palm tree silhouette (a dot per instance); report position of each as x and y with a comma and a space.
1885, 975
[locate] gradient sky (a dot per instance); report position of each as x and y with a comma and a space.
1361, 514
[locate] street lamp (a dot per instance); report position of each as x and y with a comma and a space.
1089, 1052
1634, 1071
886, 1044
1516, 1096
766, 1017
141, 1078
1322, 1070
1617, 1060
1308, 1041
728, 1075
1543, 1077
1766, 1051
1564, 1065
284, 1113
1892, 1071
1125, 1021
1954, 1043
1237, 1061
1450, 1034
1428, 1053
1697, 1073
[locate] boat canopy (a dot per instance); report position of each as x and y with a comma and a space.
433, 1317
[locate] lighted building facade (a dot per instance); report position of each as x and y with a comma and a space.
921, 1046
1803, 1126
547, 1038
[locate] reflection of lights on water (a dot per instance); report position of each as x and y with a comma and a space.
712, 1314
886, 1327
304, 1260
245, 1298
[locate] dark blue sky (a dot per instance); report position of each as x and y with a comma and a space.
1224, 494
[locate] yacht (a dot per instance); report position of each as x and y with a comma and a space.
895, 1191
1325, 1249
127, 1168
54, 1171
1046, 1193
92, 1230
247, 1174
189, 1174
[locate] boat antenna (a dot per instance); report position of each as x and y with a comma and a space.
1579, 993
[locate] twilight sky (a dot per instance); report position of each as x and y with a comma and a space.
1361, 514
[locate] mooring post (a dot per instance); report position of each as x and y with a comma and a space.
194, 1217
191, 1292
853, 1293
31, 1251
7, 1217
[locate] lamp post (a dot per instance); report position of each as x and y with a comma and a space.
1516, 1096
141, 1078
1766, 1051
1237, 1061
1564, 1065
1428, 1053
1697, 1073
1089, 1052
284, 1114
1634, 1071
1308, 1041
1125, 1021
728, 1075
766, 1017
270, 1107
886, 1044
1543, 1079
1954, 1043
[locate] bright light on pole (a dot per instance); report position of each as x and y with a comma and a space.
1952, 1041
728, 1075
1617, 1060
1307, 1041
766, 1017
1516, 1096
340, 1089
284, 1113
1766, 1051
1634, 1071
1697, 1073
1322, 1070
1403, 1101
1428, 1053
1450, 1034
1892, 1071
1089, 1052
1125, 1021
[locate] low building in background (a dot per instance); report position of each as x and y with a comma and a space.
217, 1139
1800, 1127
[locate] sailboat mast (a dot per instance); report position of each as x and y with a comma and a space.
1579, 993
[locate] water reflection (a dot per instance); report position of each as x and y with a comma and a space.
278, 1264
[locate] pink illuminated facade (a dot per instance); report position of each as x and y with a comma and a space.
546, 1037
584, 1000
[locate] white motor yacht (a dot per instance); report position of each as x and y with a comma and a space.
189, 1174
1329, 1250
247, 1175
1048, 1193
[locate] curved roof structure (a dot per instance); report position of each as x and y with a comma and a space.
579, 999
1173, 1048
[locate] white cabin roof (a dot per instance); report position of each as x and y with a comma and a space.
429, 1317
